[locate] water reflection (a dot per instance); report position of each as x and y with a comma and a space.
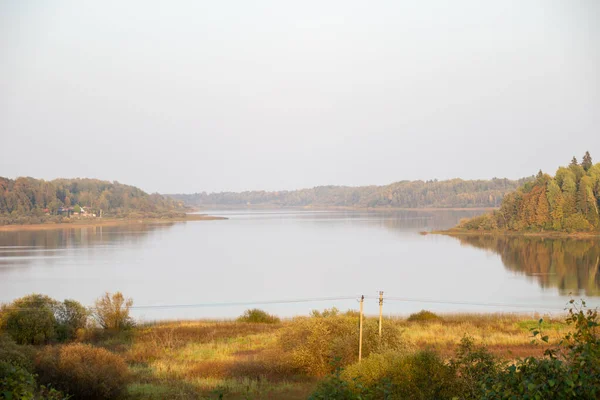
571, 265
19, 249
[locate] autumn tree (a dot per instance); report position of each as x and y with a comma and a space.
556, 202
569, 202
112, 311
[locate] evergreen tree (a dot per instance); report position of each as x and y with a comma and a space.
573, 161
587, 161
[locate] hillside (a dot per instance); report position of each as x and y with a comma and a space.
29, 200
454, 193
567, 202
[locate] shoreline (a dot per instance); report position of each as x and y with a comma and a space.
108, 222
211, 207
547, 235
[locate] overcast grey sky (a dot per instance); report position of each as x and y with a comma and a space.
189, 96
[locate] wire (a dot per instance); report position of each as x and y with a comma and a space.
466, 303
320, 299
224, 304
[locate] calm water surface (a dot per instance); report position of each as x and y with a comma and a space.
263, 256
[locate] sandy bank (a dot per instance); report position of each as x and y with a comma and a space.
90, 223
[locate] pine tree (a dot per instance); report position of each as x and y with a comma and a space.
587, 161
573, 162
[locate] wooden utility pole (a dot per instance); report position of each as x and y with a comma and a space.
380, 313
360, 324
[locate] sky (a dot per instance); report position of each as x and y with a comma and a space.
192, 96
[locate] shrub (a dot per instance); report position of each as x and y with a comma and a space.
317, 345
328, 312
17, 382
576, 223
423, 316
14, 353
84, 371
38, 319
112, 311
485, 222
421, 375
473, 365
569, 371
30, 319
71, 316
258, 316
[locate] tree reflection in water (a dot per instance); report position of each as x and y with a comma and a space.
571, 265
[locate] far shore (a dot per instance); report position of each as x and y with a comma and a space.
95, 222
208, 207
549, 235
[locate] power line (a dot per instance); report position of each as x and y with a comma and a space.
321, 299
223, 304
466, 303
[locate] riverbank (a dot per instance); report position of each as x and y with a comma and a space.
97, 222
211, 207
548, 235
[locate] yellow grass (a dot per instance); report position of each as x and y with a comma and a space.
206, 359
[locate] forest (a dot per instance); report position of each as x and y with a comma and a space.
454, 193
567, 202
28, 200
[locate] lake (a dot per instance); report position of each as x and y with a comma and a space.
291, 262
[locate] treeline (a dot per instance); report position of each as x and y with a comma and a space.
569, 202
452, 193
29, 200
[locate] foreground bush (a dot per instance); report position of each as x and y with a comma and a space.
258, 316
420, 376
568, 371
17, 382
84, 371
319, 344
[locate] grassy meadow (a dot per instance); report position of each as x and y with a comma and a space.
61, 350
241, 360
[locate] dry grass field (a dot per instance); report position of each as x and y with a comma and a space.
240, 360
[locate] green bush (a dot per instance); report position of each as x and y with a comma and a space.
84, 371
10, 351
569, 371
577, 223
30, 319
423, 316
71, 316
38, 319
317, 345
17, 382
422, 376
258, 316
